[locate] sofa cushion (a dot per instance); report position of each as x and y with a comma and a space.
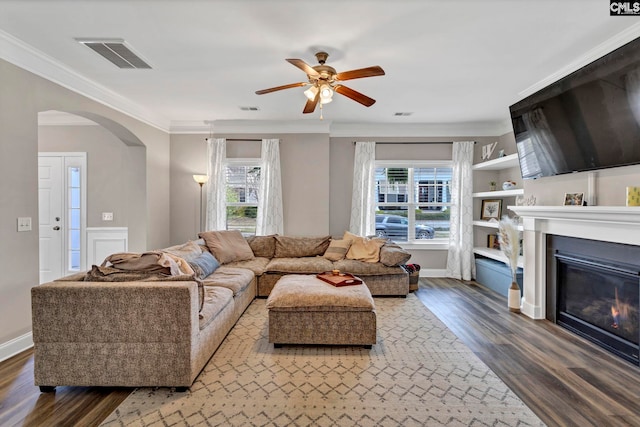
262, 246
186, 251
215, 300
361, 268
337, 249
308, 265
204, 264
234, 279
293, 247
227, 245
364, 248
258, 265
393, 255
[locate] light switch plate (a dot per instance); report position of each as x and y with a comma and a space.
107, 216
24, 223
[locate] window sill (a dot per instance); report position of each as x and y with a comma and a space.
426, 246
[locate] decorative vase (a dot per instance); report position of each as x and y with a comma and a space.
513, 297
492, 187
508, 185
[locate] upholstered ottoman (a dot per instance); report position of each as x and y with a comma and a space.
306, 310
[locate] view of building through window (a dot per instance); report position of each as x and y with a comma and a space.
413, 203
243, 184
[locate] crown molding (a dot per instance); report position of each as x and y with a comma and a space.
620, 39
472, 129
251, 126
27, 57
338, 129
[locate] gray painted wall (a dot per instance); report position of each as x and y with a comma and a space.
113, 169
22, 96
304, 162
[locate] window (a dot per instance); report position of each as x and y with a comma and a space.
74, 212
243, 184
414, 200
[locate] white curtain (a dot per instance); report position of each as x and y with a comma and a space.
363, 195
270, 212
216, 186
460, 260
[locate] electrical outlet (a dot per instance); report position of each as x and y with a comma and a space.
24, 223
107, 216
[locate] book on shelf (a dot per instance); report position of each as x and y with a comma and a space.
493, 242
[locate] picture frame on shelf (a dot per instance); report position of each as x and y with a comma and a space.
573, 199
491, 209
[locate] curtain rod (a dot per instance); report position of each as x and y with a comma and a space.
414, 142
240, 139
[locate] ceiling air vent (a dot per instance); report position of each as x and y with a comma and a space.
115, 51
402, 114
249, 108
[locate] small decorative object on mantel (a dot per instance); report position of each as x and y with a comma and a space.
509, 237
492, 185
573, 199
633, 196
508, 185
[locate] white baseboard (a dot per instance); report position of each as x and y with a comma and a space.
15, 346
433, 272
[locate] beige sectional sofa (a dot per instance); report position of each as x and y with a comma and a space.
162, 332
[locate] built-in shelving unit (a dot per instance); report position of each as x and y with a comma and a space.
482, 228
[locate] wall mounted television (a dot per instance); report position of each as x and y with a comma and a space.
585, 121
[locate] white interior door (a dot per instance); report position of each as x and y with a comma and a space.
62, 207
51, 220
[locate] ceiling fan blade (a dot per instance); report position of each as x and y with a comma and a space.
273, 89
362, 72
310, 106
304, 67
355, 95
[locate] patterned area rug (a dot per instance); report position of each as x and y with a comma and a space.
418, 374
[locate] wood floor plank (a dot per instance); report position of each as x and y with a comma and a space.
564, 379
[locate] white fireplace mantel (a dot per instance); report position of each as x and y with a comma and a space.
618, 224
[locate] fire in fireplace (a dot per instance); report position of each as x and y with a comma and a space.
598, 298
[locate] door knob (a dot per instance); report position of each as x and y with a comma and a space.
57, 218
56, 228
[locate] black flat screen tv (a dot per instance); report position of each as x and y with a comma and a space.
587, 120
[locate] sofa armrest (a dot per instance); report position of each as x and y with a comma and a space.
122, 312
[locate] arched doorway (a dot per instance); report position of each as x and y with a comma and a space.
105, 193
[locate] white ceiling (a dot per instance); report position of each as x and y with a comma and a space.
456, 65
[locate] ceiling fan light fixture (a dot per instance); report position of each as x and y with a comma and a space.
326, 94
311, 92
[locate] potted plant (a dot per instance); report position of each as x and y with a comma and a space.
492, 185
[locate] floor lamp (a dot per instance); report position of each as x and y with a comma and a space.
201, 180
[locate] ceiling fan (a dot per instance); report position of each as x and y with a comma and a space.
324, 81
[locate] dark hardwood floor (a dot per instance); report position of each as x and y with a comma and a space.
564, 379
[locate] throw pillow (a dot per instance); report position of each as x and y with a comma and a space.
393, 255
295, 247
262, 246
227, 245
337, 249
204, 265
363, 248
186, 251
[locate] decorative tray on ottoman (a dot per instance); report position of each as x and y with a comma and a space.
341, 279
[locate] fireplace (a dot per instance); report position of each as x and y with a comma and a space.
593, 289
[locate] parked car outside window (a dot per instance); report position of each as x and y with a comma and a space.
397, 227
